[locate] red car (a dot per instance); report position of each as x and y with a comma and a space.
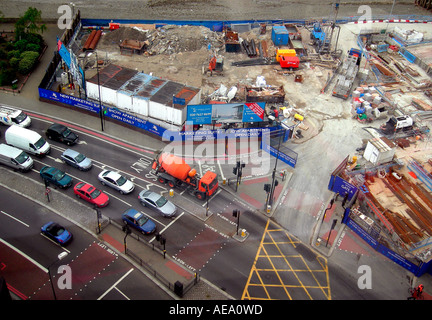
91, 194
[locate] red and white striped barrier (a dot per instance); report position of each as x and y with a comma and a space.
390, 21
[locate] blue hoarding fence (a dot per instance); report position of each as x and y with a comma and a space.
341, 186
279, 151
134, 121
416, 269
371, 237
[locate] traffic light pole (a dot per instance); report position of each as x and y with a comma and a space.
238, 170
273, 185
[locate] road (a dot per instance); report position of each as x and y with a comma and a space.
185, 233
201, 243
97, 272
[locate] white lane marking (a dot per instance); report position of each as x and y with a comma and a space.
16, 219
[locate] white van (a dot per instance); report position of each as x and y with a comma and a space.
15, 158
27, 140
10, 116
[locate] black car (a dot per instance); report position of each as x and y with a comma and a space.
61, 133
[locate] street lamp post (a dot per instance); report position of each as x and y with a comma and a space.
59, 257
100, 103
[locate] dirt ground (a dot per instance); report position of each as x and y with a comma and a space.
184, 51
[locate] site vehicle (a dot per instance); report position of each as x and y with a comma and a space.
15, 158
395, 124
27, 140
174, 171
10, 116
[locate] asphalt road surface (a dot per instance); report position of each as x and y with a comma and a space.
97, 272
211, 10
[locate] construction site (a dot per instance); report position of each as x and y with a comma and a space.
378, 76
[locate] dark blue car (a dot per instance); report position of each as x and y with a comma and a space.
139, 221
56, 233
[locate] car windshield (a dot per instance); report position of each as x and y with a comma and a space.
141, 221
39, 143
21, 117
95, 193
121, 181
79, 158
22, 158
161, 201
66, 132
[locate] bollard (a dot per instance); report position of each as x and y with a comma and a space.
268, 209
171, 192
224, 181
243, 232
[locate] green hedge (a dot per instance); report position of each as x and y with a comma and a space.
27, 62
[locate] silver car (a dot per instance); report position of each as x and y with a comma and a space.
156, 201
116, 181
76, 159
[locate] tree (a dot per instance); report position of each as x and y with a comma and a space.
29, 23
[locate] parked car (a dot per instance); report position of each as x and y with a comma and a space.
61, 133
116, 181
138, 221
159, 203
76, 159
90, 194
56, 232
56, 176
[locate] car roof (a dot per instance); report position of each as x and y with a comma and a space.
85, 186
71, 153
133, 213
57, 126
49, 169
112, 174
151, 195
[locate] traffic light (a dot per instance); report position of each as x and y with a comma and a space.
267, 187
235, 170
236, 212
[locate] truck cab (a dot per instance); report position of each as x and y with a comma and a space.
10, 116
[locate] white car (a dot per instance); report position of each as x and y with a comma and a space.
116, 181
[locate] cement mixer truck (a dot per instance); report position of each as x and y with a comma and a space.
173, 171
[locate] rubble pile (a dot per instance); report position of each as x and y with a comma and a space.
175, 39
116, 37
